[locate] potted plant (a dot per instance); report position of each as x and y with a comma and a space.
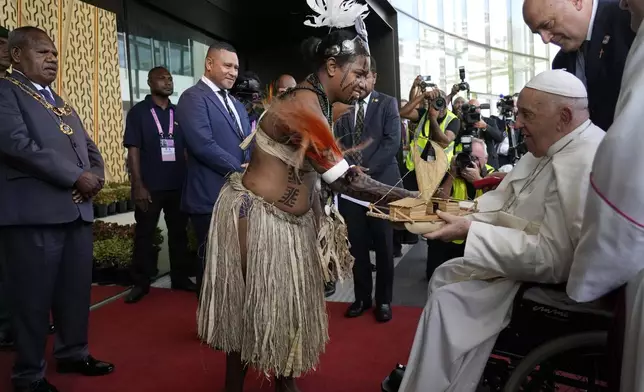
112, 259
122, 195
101, 203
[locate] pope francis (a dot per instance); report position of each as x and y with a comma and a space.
527, 230
610, 251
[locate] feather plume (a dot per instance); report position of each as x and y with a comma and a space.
303, 122
336, 13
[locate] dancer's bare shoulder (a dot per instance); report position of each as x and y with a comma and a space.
270, 123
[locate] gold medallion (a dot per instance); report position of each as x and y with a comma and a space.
66, 129
66, 110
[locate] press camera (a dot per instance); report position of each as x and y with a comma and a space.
247, 89
438, 103
506, 106
463, 85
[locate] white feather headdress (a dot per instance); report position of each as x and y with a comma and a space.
336, 13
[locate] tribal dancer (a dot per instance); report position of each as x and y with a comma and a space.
262, 300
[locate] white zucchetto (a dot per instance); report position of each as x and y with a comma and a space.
558, 82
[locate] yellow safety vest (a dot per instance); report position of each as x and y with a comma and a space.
459, 191
422, 136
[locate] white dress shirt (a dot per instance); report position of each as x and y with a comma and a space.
357, 106
216, 89
580, 69
36, 85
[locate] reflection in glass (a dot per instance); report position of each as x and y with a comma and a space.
488, 38
476, 15
499, 21
429, 11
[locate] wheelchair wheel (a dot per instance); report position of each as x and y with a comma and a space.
569, 363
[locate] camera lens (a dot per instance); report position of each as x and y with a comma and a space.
439, 103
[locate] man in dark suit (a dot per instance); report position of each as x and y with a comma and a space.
49, 171
594, 37
6, 337
214, 124
373, 119
157, 167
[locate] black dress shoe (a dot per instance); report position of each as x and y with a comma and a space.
136, 294
87, 367
184, 285
397, 254
383, 313
37, 386
393, 381
357, 308
52, 329
329, 289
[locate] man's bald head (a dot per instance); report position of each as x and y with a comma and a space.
284, 82
474, 102
564, 23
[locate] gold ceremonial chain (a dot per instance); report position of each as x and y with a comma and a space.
66, 110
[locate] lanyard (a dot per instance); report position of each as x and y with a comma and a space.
170, 127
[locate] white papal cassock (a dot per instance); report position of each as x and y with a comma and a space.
611, 249
527, 231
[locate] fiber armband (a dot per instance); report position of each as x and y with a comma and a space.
337, 171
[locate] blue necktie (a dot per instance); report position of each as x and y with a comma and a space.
224, 95
48, 96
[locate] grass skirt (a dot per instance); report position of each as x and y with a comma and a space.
276, 317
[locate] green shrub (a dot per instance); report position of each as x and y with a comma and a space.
106, 196
122, 193
113, 252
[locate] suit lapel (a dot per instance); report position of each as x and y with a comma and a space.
599, 44
214, 99
372, 108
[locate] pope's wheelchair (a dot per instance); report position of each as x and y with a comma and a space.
551, 344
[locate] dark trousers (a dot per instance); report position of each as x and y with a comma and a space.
145, 256
439, 252
5, 319
365, 231
201, 224
47, 268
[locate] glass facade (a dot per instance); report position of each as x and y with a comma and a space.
487, 37
151, 40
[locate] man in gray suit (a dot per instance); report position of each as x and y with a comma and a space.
49, 171
374, 122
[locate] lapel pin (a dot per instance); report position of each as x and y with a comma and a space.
375, 99
606, 39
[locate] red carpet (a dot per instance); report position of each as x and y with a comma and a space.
154, 348
101, 293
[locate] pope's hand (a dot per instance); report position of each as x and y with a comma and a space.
455, 228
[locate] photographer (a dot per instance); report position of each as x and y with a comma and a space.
488, 131
248, 90
465, 169
435, 123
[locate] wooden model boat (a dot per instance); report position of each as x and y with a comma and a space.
429, 174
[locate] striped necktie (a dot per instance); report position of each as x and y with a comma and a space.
357, 132
224, 95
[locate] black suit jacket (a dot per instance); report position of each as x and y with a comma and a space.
604, 61
382, 128
39, 165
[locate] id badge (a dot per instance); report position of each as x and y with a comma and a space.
167, 150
